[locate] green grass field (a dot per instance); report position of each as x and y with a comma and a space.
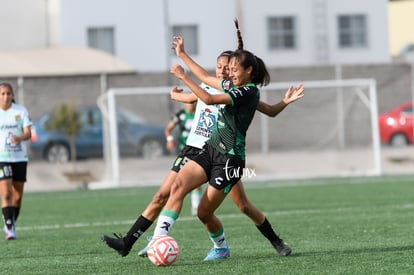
334, 226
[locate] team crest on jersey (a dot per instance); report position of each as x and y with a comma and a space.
227, 84
17, 117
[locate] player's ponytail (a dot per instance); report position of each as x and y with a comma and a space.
239, 37
259, 75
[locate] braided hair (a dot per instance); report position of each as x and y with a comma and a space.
239, 37
259, 75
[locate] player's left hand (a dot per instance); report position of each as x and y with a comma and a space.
178, 45
293, 94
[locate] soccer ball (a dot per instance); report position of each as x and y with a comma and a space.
162, 250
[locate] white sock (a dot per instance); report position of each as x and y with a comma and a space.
218, 239
165, 222
195, 198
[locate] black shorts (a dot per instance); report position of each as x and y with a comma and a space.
222, 170
13, 170
188, 153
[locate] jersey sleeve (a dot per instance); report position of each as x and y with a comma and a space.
241, 95
26, 118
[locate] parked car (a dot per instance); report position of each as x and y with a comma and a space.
135, 137
396, 126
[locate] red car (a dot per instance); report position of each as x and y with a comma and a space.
396, 126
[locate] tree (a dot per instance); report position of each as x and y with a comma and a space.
65, 120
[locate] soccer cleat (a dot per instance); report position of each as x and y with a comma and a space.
116, 244
282, 248
143, 252
10, 234
217, 254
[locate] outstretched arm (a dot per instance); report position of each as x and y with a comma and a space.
178, 95
291, 95
197, 70
207, 98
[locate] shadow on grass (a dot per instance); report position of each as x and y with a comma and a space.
355, 251
328, 252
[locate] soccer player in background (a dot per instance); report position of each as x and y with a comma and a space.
15, 130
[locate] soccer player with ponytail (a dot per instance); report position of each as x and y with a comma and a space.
224, 153
220, 250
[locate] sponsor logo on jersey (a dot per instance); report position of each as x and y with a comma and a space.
206, 123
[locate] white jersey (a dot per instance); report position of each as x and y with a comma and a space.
12, 123
205, 119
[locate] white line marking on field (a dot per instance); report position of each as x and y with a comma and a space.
191, 218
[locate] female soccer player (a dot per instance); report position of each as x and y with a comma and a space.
201, 129
222, 159
15, 129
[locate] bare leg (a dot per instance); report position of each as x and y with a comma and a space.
17, 197
210, 201
160, 198
239, 197
190, 177
144, 221
6, 187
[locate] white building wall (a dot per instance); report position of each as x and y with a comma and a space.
53, 25
254, 27
140, 28
377, 15
139, 32
254, 23
23, 24
216, 28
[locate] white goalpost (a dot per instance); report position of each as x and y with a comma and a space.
107, 104
369, 100
335, 116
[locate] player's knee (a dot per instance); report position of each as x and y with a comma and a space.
178, 189
245, 209
204, 214
243, 205
7, 197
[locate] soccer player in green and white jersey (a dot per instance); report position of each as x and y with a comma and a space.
205, 120
222, 159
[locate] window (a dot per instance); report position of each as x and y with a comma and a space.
281, 32
408, 111
190, 34
90, 118
102, 38
352, 30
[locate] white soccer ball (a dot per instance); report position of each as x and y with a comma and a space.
163, 250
